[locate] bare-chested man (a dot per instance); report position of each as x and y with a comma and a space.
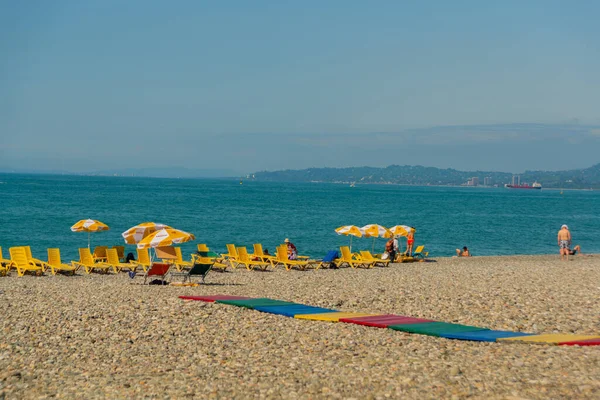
564, 241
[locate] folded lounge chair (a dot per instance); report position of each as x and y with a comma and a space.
56, 265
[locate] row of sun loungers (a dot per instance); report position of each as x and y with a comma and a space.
106, 260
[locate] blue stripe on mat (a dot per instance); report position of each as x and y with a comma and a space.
291, 311
483, 336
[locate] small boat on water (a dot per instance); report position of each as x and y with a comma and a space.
353, 184
535, 185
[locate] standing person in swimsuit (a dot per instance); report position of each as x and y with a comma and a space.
564, 241
410, 240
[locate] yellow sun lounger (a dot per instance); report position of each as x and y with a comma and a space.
112, 257
143, 260
56, 264
87, 262
259, 253
367, 256
19, 258
231, 256
350, 260
244, 259
5, 264
282, 258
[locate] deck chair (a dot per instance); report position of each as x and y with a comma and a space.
260, 254
56, 265
179, 262
201, 268
5, 264
112, 257
120, 252
37, 261
244, 259
419, 253
158, 270
143, 260
19, 258
99, 253
282, 258
202, 247
231, 256
366, 255
329, 259
87, 262
219, 264
353, 262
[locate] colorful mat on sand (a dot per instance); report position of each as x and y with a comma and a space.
397, 322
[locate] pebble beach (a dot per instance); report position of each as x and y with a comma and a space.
108, 336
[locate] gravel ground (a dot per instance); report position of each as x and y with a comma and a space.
95, 336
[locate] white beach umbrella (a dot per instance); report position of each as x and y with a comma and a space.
375, 231
165, 237
89, 225
350, 230
136, 233
402, 230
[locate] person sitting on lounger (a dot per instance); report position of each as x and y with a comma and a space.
463, 253
291, 250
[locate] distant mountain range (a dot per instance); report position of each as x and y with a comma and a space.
173, 172
418, 175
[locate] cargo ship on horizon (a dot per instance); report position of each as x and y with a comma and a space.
535, 185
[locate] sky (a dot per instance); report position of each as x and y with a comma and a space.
265, 85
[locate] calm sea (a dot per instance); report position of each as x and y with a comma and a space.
38, 210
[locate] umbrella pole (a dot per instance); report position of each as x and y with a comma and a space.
350, 243
373, 250
88, 240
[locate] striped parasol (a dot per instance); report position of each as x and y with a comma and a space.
89, 225
402, 230
350, 230
375, 231
165, 237
136, 233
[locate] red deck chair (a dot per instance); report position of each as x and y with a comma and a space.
157, 270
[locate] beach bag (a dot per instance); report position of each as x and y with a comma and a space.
385, 256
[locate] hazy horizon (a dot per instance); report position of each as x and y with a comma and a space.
245, 87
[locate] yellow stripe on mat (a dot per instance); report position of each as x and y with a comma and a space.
551, 338
333, 317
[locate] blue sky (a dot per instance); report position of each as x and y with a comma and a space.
258, 85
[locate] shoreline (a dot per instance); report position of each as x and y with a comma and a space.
108, 336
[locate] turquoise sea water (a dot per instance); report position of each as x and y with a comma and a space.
38, 210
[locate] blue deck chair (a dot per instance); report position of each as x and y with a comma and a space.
328, 260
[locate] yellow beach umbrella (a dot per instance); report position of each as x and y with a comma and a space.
165, 237
375, 230
136, 233
402, 230
89, 225
350, 230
